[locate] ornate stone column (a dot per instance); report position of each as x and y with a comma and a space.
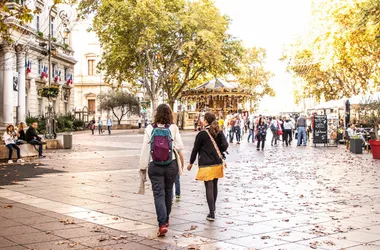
21, 111
8, 50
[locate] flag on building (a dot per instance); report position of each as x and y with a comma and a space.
69, 79
44, 73
28, 66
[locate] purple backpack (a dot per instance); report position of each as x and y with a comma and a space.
161, 145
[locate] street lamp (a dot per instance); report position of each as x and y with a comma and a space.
50, 130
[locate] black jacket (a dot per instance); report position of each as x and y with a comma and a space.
31, 134
204, 148
22, 135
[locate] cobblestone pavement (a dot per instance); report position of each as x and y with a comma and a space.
280, 198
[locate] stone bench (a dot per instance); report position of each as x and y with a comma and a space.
26, 150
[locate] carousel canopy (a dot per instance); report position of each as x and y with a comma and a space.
217, 83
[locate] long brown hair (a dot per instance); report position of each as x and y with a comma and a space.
164, 115
10, 125
21, 126
214, 125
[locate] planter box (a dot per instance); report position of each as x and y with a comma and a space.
356, 146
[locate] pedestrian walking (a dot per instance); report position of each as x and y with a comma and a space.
195, 124
161, 140
261, 134
232, 129
139, 121
209, 146
109, 124
287, 137
100, 125
282, 121
9, 141
251, 127
301, 127
92, 125
238, 124
274, 125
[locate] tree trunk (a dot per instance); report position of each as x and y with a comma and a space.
154, 104
171, 103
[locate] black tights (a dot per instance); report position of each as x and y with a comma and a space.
211, 193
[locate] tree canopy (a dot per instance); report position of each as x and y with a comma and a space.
340, 57
120, 103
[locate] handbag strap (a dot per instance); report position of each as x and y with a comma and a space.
215, 146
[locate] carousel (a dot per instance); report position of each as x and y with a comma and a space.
218, 96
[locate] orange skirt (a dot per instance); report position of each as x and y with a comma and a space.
208, 173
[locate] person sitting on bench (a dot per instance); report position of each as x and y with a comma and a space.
9, 140
33, 139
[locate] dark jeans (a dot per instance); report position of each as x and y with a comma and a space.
232, 132
140, 125
36, 142
287, 137
10, 148
274, 136
162, 179
100, 128
109, 129
261, 140
238, 133
251, 134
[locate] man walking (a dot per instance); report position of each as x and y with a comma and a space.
232, 129
238, 123
251, 126
274, 125
109, 124
301, 126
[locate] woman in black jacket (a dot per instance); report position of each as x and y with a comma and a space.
261, 135
209, 146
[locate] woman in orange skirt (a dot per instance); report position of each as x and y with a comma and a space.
209, 146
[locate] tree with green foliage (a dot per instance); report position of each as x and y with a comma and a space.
120, 103
253, 74
341, 56
165, 45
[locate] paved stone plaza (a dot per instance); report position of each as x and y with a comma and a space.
282, 198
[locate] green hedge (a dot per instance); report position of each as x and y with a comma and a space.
63, 123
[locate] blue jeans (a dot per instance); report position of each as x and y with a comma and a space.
177, 185
10, 148
301, 134
109, 129
251, 133
232, 132
38, 143
238, 133
162, 179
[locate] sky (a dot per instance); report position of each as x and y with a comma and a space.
270, 24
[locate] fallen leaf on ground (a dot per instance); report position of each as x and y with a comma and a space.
265, 237
193, 247
8, 206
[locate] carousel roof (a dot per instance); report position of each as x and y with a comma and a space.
217, 83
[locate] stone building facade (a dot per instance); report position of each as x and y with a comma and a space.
89, 82
24, 68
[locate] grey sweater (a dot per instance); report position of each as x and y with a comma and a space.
301, 122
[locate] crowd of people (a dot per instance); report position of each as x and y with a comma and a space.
255, 129
162, 159
13, 137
